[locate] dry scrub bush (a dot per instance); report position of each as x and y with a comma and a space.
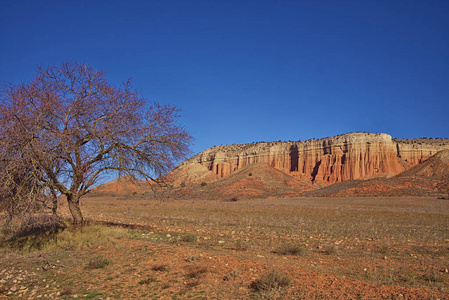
192, 258
233, 199
241, 245
148, 280
160, 267
271, 281
67, 291
189, 238
98, 262
329, 250
288, 249
195, 271
232, 275
193, 283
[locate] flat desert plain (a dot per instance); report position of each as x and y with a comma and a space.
289, 248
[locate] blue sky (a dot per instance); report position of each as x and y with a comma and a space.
245, 71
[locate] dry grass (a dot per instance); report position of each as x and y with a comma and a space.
272, 280
188, 238
89, 237
355, 231
160, 267
148, 280
289, 249
389, 219
395, 242
51, 239
241, 245
195, 271
97, 262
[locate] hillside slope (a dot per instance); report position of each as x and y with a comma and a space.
122, 186
255, 181
424, 179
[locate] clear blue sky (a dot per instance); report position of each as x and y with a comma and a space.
245, 71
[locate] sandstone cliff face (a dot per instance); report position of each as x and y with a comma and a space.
415, 151
324, 161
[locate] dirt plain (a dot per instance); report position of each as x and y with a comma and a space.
326, 248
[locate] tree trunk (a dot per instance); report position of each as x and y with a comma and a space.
75, 210
54, 211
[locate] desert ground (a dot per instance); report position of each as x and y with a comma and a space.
291, 248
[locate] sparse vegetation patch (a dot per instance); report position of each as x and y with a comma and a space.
273, 280
148, 280
97, 262
313, 248
160, 267
291, 249
195, 271
189, 238
241, 245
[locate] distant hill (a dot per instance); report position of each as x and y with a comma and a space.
255, 181
123, 186
325, 161
356, 164
186, 175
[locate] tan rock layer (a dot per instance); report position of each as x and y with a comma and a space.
326, 161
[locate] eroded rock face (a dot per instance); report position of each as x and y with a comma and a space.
415, 151
325, 161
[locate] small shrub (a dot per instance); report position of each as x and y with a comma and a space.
291, 250
192, 258
148, 280
250, 174
97, 263
273, 280
233, 199
433, 277
195, 271
189, 238
66, 292
193, 283
159, 267
241, 245
232, 275
166, 286
203, 183
329, 250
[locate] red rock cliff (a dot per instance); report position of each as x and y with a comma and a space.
415, 151
326, 161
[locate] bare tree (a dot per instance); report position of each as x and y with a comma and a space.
74, 127
21, 193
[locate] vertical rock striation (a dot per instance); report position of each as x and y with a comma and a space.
415, 151
324, 161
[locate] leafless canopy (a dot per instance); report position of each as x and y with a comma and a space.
72, 127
